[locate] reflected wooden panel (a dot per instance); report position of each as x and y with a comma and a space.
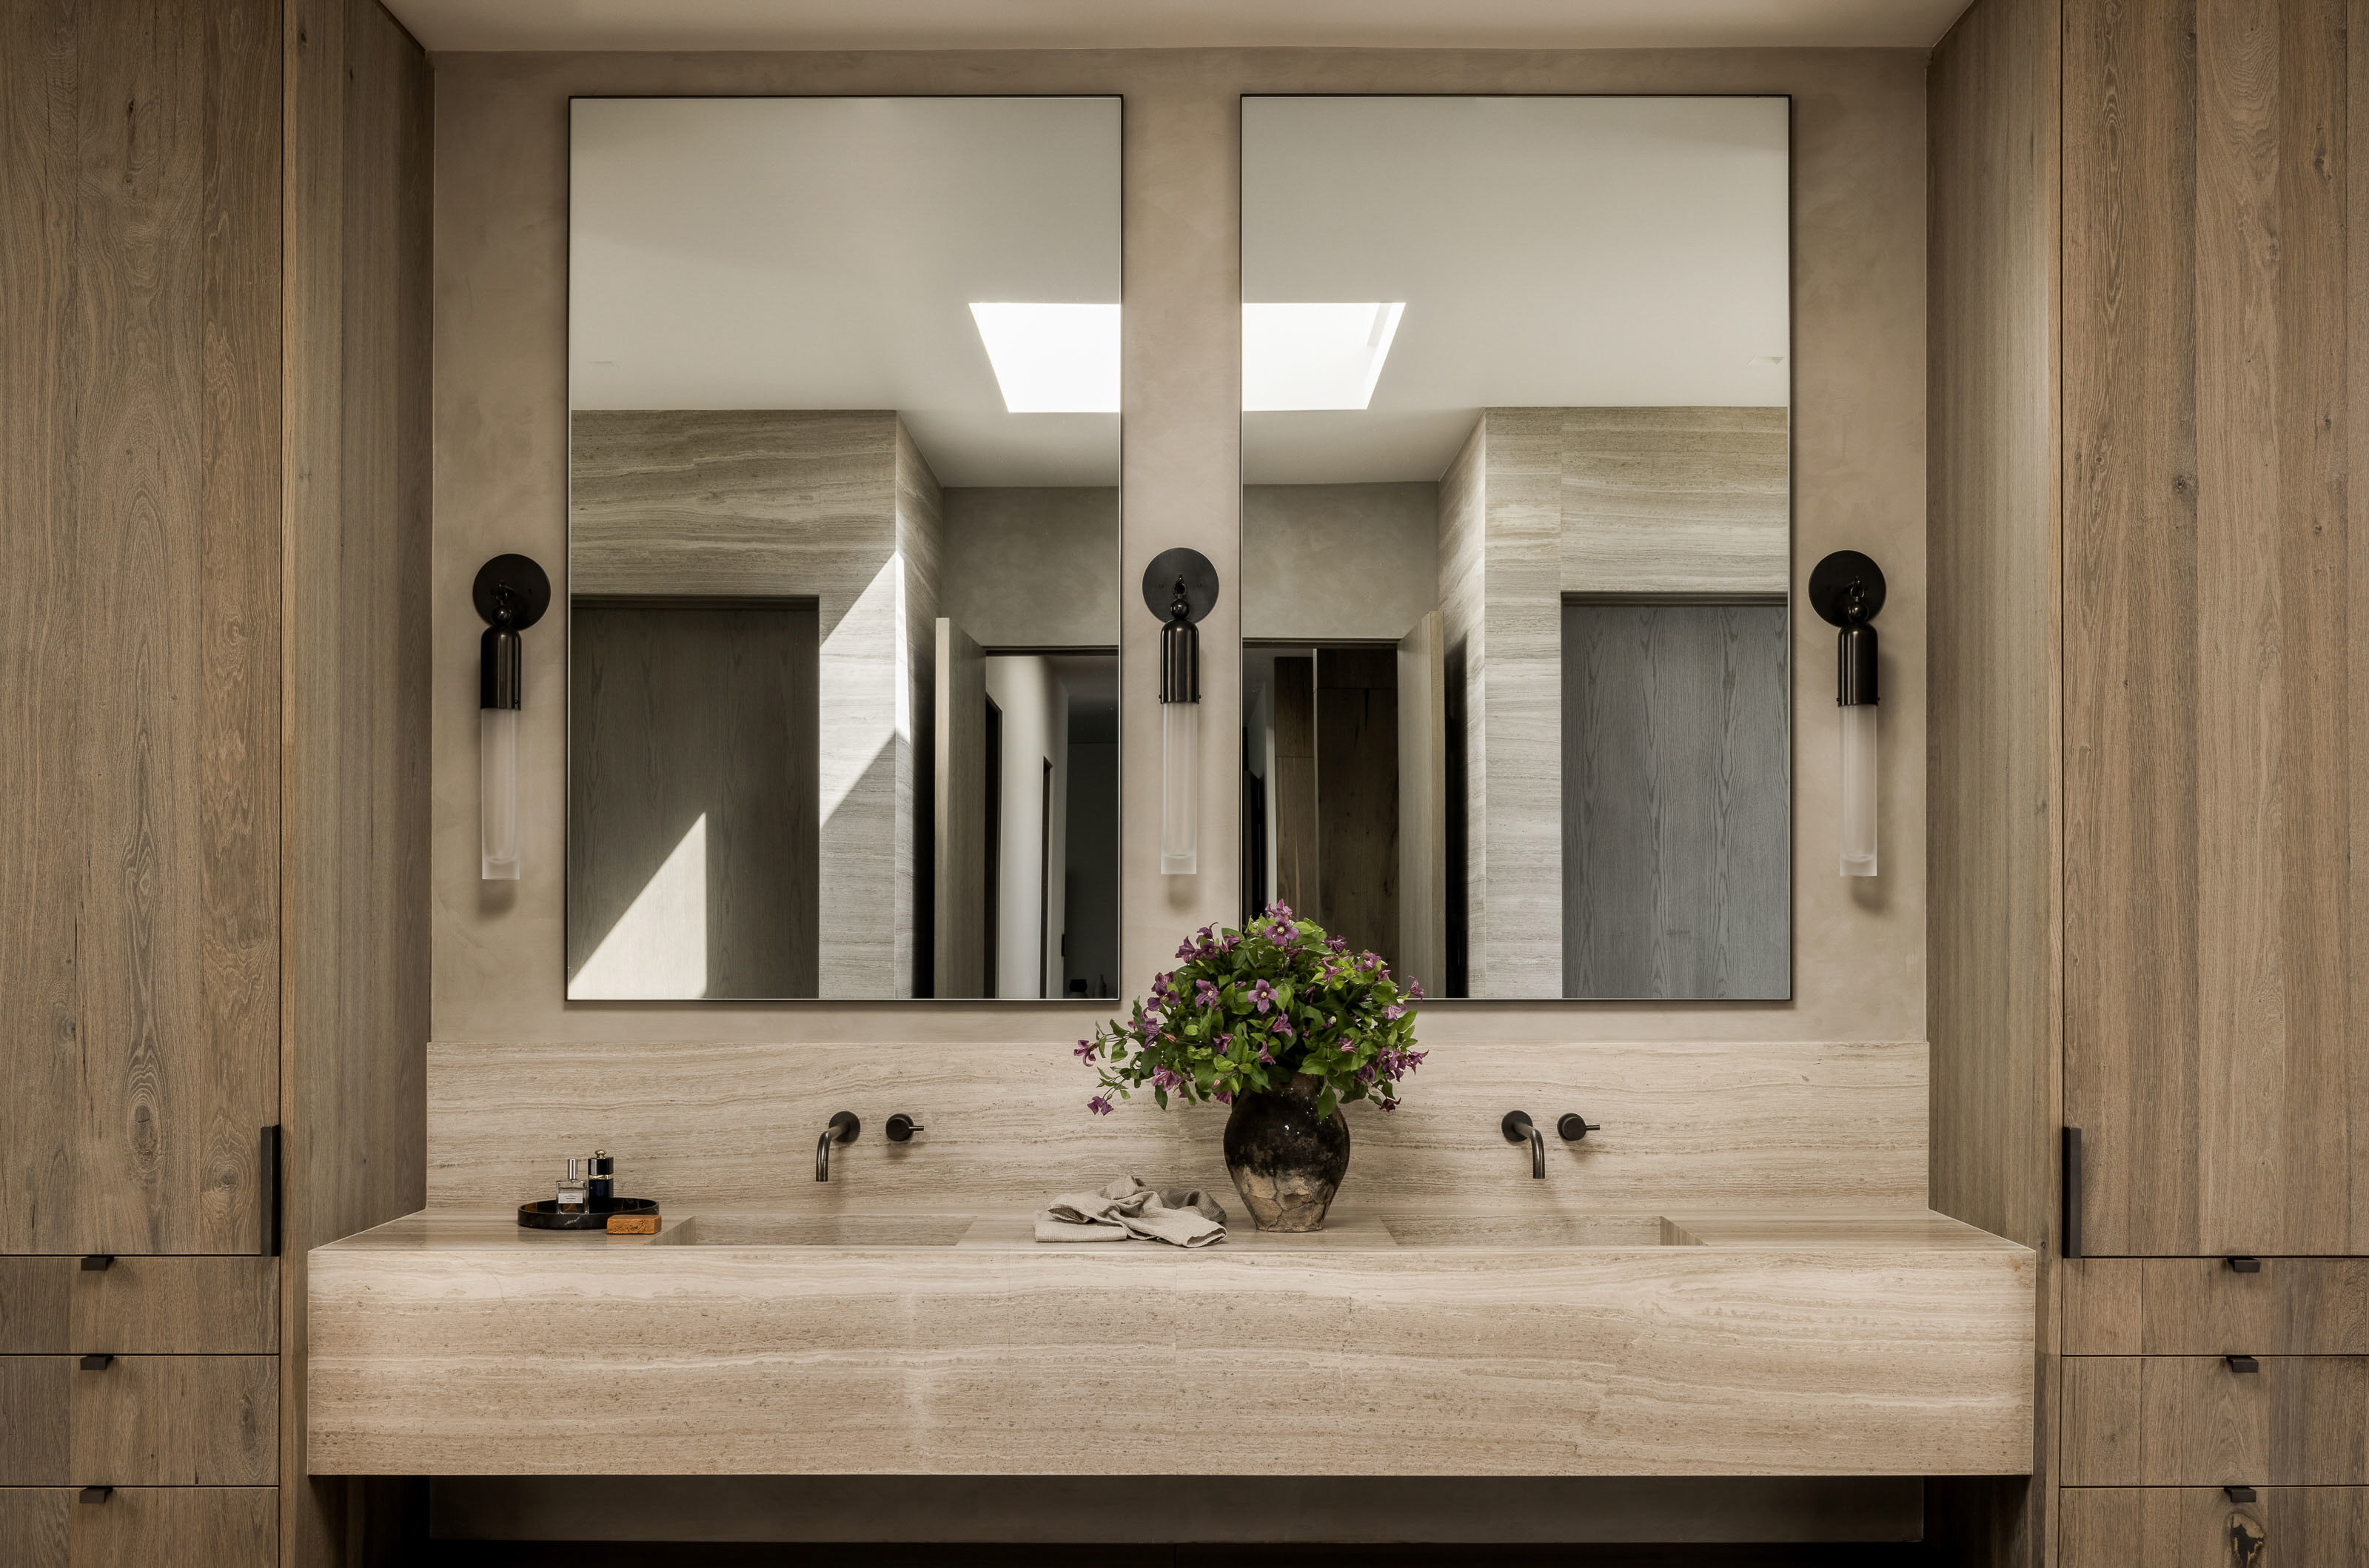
692, 821
1677, 801
958, 954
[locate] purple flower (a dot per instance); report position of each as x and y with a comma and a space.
1336, 944
1414, 991
1161, 1078
1278, 911
1261, 994
1223, 1097
1099, 1106
1204, 993
1085, 1051
1282, 1025
1389, 1105
1265, 1054
1394, 1012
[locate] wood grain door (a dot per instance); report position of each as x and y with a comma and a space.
960, 942
1422, 806
2217, 697
2203, 1526
140, 364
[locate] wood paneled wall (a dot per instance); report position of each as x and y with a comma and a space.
2217, 662
2151, 705
355, 619
139, 661
214, 545
1993, 801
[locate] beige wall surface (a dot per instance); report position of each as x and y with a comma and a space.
1322, 561
500, 484
1031, 568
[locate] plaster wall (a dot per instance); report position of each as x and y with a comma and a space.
1858, 481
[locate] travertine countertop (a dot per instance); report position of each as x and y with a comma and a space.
1407, 1235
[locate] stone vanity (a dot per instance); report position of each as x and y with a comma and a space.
1870, 1342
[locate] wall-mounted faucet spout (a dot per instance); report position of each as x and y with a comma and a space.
1516, 1127
843, 1129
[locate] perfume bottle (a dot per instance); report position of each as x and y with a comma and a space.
572, 1189
601, 1190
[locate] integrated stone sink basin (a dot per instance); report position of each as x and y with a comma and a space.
817, 1231
1535, 1231
1534, 1342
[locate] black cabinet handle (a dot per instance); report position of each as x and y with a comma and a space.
2239, 1493
98, 1262
96, 1493
267, 1188
2071, 1232
97, 1362
2242, 1364
2245, 1265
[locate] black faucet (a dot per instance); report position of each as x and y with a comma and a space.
843, 1129
1516, 1127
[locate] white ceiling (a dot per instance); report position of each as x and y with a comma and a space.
824, 253
1173, 24
1552, 252
801, 253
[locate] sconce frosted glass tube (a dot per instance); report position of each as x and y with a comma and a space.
497, 787
1859, 732
1180, 775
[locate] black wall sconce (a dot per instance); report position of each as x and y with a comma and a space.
1847, 590
511, 592
1180, 587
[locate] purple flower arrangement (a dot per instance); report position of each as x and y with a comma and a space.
1245, 1011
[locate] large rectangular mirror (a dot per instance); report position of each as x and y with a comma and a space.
1516, 537
842, 587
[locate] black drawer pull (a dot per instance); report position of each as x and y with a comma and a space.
97, 1362
2245, 1265
98, 1262
2242, 1364
2239, 1493
96, 1493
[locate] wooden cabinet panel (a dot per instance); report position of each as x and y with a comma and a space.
139, 1421
34, 1523
176, 1420
2202, 1307
34, 1394
187, 1306
34, 1311
158, 1306
2316, 1527
139, 400
2191, 1421
186, 1527
2211, 662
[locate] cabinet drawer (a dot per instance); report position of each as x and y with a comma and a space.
2191, 1421
140, 1306
139, 1421
2201, 1528
184, 1527
2202, 1307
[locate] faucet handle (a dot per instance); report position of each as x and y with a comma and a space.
1574, 1126
902, 1126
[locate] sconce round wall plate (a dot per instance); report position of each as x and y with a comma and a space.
1200, 582
523, 577
1832, 579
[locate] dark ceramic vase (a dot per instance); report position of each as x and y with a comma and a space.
1287, 1161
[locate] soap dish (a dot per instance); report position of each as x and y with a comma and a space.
544, 1214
